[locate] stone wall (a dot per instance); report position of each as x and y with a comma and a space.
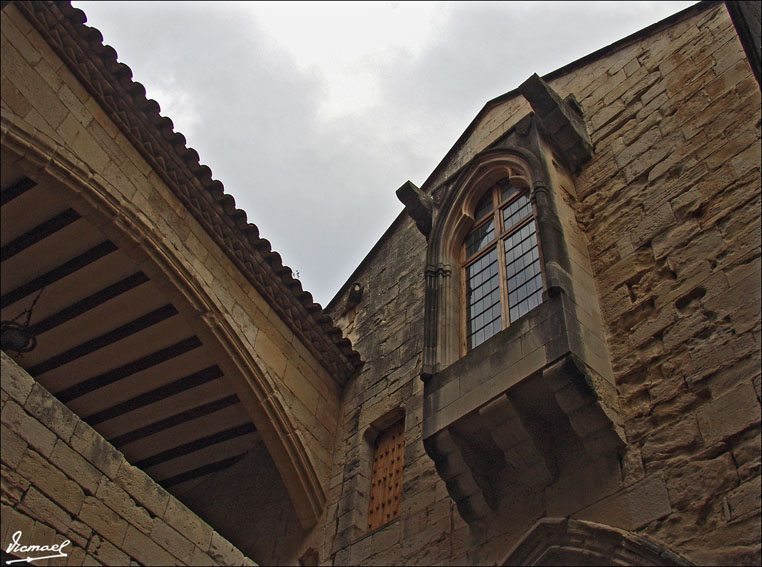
61, 480
387, 329
669, 206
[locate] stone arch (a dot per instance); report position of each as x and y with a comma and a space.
93, 196
458, 205
565, 541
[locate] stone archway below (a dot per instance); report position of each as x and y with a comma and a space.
128, 331
565, 541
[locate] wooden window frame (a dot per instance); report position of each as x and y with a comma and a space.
498, 243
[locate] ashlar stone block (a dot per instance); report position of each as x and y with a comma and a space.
222, 551
103, 520
187, 523
144, 549
143, 489
634, 507
744, 501
13, 447
42, 508
14, 380
171, 540
737, 410
121, 503
88, 443
76, 467
65, 492
51, 413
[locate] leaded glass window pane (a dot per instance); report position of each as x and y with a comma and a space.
522, 265
483, 299
507, 191
483, 207
516, 211
480, 237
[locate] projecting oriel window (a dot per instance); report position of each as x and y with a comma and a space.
386, 476
503, 279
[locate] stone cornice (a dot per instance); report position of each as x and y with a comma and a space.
111, 85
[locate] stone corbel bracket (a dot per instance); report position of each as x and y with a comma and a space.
462, 469
531, 465
418, 205
562, 121
584, 404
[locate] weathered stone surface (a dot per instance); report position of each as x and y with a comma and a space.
671, 441
76, 467
86, 441
51, 413
140, 487
38, 506
29, 429
13, 487
144, 550
77, 556
106, 553
744, 501
634, 507
201, 558
694, 483
223, 552
103, 520
121, 503
13, 446
729, 414
738, 543
172, 541
63, 491
13, 520
15, 381
187, 523
747, 453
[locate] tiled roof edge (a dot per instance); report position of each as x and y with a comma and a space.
110, 83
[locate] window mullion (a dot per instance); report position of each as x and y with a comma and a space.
502, 274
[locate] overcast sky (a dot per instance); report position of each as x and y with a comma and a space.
313, 114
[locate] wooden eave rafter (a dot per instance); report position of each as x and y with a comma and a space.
109, 344
110, 83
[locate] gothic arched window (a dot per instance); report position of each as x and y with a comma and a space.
501, 262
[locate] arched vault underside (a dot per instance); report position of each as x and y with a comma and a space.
127, 337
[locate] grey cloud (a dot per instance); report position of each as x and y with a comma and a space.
324, 193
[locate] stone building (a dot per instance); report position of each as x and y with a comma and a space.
552, 356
